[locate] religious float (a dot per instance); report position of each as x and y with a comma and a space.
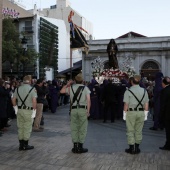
113, 70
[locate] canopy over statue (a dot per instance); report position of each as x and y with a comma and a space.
112, 51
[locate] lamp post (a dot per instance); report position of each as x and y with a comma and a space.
24, 47
35, 70
24, 44
11, 68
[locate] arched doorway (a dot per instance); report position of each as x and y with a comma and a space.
149, 69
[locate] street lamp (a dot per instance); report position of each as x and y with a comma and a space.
11, 68
24, 44
35, 70
24, 47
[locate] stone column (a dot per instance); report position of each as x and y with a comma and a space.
163, 64
1, 2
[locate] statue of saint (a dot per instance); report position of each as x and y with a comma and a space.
112, 51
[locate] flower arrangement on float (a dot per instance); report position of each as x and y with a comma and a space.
101, 74
113, 73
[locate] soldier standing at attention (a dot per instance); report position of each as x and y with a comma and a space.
135, 113
24, 103
80, 107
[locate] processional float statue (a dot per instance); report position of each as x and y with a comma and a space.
114, 70
112, 51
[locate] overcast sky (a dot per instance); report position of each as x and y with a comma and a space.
113, 18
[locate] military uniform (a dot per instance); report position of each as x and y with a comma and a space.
135, 114
25, 110
79, 119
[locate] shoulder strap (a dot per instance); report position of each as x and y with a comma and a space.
23, 101
77, 93
80, 95
139, 101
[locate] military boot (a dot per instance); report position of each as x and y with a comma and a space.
21, 145
137, 150
75, 148
81, 149
26, 146
130, 150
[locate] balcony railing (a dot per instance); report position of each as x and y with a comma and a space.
30, 46
28, 29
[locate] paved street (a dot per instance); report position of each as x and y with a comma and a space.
106, 144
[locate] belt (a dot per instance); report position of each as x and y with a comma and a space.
79, 106
136, 109
25, 107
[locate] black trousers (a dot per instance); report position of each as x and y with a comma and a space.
112, 108
3, 122
167, 130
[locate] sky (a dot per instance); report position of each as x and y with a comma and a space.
113, 18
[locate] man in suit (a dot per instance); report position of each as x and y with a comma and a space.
165, 110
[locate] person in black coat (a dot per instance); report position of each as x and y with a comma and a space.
4, 94
109, 99
165, 110
54, 90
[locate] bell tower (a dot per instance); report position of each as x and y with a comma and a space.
63, 3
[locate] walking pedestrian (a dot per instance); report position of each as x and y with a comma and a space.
135, 113
24, 102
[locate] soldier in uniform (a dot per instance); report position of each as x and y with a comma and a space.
135, 113
24, 103
80, 107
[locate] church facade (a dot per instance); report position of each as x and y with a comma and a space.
148, 54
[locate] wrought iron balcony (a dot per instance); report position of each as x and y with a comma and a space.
28, 29
30, 46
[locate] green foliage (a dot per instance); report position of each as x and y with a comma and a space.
48, 45
12, 50
28, 57
10, 40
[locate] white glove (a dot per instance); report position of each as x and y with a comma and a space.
124, 115
15, 109
33, 113
146, 115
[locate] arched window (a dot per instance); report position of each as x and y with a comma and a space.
149, 69
149, 65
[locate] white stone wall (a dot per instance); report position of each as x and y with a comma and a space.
143, 49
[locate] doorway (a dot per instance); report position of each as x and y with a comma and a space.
149, 70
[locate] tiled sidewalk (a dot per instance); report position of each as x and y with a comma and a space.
106, 144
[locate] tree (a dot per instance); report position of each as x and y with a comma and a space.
10, 40
12, 50
26, 58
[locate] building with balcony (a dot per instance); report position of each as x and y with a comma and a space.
61, 11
